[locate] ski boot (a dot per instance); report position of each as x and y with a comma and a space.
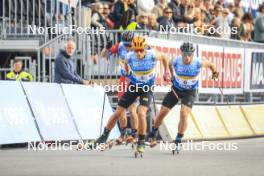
177, 142
121, 140
100, 143
152, 137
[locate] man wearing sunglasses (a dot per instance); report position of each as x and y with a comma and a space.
140, 67
121, 49
184, 72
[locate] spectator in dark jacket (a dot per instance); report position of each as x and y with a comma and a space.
65, 68
98, 20
180, 12
166, 21
259, 26
124, 12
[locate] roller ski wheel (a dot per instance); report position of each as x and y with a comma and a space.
112, 143
109, 145
139, 151
137, 154
133, 146
152, 144
177, 149
80, 147
131, 140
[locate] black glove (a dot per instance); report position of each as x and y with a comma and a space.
215, 75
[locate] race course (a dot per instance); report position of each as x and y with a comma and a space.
247, 160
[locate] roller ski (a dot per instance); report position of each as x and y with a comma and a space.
100, 143
120, 141
140, 149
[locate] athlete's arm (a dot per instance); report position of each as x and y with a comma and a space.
171, 69
208, 64
127, 68
112, 50
164, 59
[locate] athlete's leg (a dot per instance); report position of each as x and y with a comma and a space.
113, 119
182, 126
123, 125
168, 103
133, 116
145, 100
162, 114
184, 113
186, 107
142, 122
142, 127
127, 99
110, 125
122, 85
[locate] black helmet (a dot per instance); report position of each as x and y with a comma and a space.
187, 47
127, 37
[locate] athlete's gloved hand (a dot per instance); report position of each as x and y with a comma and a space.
166, 77
215, 75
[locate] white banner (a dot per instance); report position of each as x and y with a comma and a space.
16, 120
254, 70
229, 64
51, 111
86, 105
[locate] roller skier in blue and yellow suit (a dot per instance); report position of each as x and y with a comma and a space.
184, 71
140, 66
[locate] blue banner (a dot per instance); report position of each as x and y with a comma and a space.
16, 121
51, 111
86, 104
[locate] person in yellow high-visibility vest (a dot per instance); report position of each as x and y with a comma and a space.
18, 74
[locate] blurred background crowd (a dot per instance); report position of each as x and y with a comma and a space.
233, 20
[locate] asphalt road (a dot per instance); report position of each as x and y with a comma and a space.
247, 160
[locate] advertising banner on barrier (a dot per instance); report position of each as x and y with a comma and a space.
86, 105
16, 121
254, 71
229, 63
51, 111
168, 47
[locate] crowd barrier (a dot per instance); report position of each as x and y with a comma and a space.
50, 112
216, 122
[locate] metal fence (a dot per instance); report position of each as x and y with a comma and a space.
18, 15
91, 65
28, 19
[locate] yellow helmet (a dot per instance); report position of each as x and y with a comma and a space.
139, 43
